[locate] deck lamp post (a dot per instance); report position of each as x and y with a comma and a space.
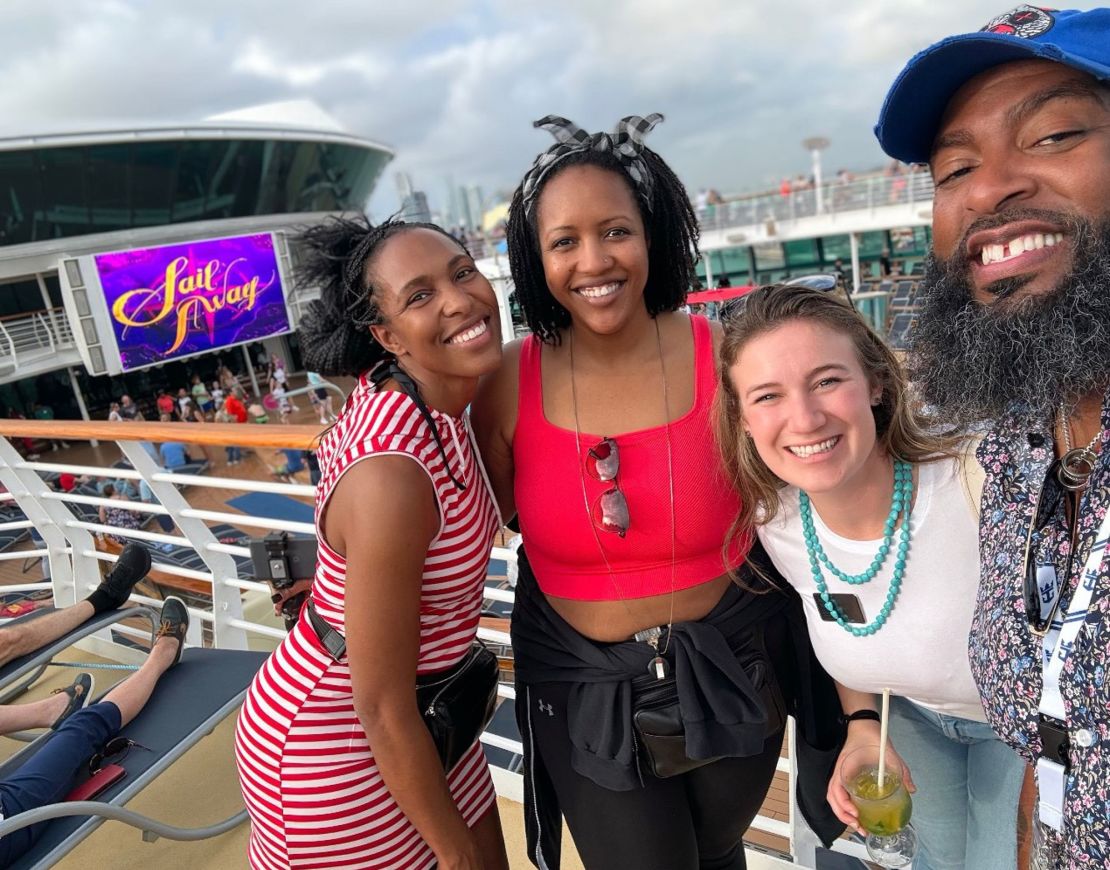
815, 145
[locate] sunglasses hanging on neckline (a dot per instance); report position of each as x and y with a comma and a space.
610, 511
1052, 494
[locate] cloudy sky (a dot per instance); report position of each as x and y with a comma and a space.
453, 85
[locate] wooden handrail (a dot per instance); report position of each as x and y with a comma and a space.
58, 311
273, 435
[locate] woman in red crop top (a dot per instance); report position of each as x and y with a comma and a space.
596, 433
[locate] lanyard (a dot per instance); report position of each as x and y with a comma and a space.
1058, 644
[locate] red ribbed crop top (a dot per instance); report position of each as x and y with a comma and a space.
556, 524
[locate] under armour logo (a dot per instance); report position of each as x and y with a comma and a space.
545, 708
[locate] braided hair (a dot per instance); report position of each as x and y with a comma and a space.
671, 227
335, 333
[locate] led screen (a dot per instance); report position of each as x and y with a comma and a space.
175, 301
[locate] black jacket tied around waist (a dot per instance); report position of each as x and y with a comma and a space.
722, 680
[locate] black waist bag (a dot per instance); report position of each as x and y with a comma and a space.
660, 734
456, 705
657, 721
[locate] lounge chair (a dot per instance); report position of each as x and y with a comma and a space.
202, 690
11, 513
181, 556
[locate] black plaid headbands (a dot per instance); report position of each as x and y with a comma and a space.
626, 143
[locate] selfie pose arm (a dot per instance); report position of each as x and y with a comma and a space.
382, 516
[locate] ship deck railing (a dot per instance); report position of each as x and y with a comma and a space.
913, 187
235, 612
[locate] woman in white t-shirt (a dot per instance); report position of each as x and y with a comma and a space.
871, 518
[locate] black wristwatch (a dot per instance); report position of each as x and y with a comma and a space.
869, 715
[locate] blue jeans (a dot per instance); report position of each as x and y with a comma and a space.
968, 783
234, 454
49, 775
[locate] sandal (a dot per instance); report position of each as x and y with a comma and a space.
80, 693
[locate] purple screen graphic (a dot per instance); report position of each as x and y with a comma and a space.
178, 300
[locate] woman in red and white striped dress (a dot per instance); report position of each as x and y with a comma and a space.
336, 765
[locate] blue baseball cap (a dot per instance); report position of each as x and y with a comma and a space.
916, 102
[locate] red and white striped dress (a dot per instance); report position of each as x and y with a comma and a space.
313, 790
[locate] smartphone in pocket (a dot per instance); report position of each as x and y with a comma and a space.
95, 785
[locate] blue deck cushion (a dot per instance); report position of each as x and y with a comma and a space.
273, 506
203, 689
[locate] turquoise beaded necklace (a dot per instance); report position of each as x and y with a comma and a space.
901, 503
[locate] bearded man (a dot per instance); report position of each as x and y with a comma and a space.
1014, 336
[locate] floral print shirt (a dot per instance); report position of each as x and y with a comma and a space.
1006, 655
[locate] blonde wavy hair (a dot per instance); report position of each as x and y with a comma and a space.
903, 431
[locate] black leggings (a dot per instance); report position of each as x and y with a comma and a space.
689, 822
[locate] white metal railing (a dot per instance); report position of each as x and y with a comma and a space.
865, 194
872, 306
219, 616
37, 334
909, 187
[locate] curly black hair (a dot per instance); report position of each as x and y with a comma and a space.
335, 332
671, 227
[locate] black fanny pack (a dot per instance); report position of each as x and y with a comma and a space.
657, 719
456, 705
660, 734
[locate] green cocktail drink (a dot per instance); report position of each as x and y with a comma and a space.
882, 811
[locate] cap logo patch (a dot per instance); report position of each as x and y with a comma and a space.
1026, 22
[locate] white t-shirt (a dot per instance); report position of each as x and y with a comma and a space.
920, 653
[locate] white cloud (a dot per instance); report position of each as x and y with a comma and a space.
256, 59
453, 85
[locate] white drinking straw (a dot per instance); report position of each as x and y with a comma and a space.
884, 717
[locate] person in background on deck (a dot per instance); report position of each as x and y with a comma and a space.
164, 403
128, 410
224, 415
321, 398
42, 411
201, 397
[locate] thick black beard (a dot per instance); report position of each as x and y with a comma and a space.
974, 363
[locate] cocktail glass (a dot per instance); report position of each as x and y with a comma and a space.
883, 812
